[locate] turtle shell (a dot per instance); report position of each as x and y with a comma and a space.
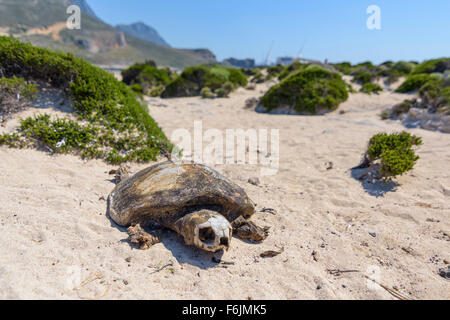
166, 191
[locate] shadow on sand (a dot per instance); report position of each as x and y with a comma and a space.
376, 188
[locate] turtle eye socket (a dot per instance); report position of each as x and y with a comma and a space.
224, 241
207, 235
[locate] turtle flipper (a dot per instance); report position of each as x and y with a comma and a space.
141, 238
246, 229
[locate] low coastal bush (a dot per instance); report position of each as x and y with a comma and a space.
393, 71
156, 91
225, 90
393, 152
258, 77
250, 71
399, 109
206, 93
414, 82
435, 94
430, 79
366, 65
370, 88
63, 135
290, 69
16, 86
15, 93
366, 72
124, 130
193, 79
273, 71
146, 75
343, 67
430, 66
309, 91
362, 76
403, 67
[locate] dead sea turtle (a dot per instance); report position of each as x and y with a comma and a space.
192, 199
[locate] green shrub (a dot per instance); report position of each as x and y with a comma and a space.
403, 67
14, 86
12, 140
237, 78
138, 90
370, 88
290, 69
394, 152
385, 114
221, 93
413, 82
61, 135
430, 66
147, 75
393, 71
350, 88
250, 71
15, 94
121, 123
273, 72
156, 91
366, 65
215, 77
193, 79
258, 77
206, 93
435, 94
388, 64
225, 90
343, 67
403, 107
362, 76
307, 91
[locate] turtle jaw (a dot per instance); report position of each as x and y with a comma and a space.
207, 230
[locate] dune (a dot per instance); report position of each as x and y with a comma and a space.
342, 238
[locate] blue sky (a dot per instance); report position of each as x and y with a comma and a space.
318, 29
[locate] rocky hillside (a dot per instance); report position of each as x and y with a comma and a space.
84, 7
144, 32
43, 23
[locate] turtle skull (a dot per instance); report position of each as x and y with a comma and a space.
206, 230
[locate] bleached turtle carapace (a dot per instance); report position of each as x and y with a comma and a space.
192, 199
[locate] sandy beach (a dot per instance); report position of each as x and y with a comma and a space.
58, 243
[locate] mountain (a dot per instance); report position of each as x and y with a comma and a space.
43, 23
142, 31
84, 7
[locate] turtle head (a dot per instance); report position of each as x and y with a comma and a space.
205, 229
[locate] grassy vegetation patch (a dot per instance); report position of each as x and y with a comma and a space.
432, 81
142, 77
362, 76
290, 69
370, 88
193, 79
366, 72
123, 128
414, 82
15, 94
430, 66
309, 91
393, 152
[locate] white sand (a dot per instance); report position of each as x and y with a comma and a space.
56, 241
